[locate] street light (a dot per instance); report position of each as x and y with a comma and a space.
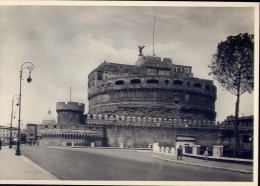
10, 141
30, 67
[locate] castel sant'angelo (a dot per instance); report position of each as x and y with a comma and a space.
153, 87
135, 106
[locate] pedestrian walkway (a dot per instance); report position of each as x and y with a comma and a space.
209, 163
14, 167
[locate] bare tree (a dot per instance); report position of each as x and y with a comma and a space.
233, 67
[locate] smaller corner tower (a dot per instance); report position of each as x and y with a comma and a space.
70, 113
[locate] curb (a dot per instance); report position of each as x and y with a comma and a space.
38, 167
221, 168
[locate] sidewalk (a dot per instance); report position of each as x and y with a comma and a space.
202, 163
14, 167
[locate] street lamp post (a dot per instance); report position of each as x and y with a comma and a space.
10, 141
30, 67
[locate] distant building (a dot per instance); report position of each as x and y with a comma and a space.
244, 121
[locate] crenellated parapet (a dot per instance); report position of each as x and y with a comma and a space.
102, 120
70, 106
70, 112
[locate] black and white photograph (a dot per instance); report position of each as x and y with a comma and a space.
129, 93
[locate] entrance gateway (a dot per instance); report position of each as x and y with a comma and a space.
186, 141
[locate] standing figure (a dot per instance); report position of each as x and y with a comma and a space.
140, 49
206, 154
179, 153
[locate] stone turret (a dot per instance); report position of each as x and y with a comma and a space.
72, 112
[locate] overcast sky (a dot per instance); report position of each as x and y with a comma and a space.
65, 43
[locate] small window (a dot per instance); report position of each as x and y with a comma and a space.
90, 128
187, 70
167, 82
177, 82
188, 83
55, 126
109, 84
135, 81
100, 75
197, 85
207, 87
120, 82
175, 69
46, 126
155, 81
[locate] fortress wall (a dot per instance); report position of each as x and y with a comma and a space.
138, 138
154, 103
141, 138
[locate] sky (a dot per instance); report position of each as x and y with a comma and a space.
65, 43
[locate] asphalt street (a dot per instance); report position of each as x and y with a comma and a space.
120, 165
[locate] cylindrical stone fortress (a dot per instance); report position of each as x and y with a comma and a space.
151, 88
72, 112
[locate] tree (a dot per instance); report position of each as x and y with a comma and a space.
233, 67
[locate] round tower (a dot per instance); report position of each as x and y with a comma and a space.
71, 112
152, 87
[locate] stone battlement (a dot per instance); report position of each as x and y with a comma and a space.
72, 106
148, 121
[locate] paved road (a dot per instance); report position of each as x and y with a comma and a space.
97, 164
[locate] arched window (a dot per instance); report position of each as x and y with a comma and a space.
155, 81
198, 85
177, 82
119, 82
135, 81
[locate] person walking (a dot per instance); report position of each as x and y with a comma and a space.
0, 144
179, 153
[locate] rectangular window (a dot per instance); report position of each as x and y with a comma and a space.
187, 70
46, 126
175, 69
55, 126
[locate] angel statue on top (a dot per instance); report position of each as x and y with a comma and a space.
140, 49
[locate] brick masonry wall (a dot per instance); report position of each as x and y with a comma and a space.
141, 138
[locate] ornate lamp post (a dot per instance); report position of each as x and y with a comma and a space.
30, 67
10, 141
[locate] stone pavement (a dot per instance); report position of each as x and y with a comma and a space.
231, 166
14, 167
